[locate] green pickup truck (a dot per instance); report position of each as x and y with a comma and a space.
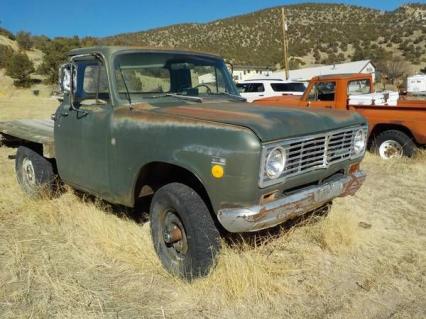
169, 128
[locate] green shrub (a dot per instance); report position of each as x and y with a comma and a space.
6, 53
24, 40
19, 67
54, 55
7, 34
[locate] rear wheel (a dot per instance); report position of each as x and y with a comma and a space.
35, 173
394, 144
183, 231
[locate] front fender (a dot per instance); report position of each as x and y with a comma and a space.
142, 137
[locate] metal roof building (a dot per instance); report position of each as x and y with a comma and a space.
364, 66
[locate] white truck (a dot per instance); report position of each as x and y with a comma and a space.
257, 89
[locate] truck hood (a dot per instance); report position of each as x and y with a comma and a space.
268, 123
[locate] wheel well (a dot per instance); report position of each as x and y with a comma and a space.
157, 174
380, 128
15, 142
36, 147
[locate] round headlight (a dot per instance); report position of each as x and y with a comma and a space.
275, 162
360, 141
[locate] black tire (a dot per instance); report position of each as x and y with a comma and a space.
407, 146
192, 256
35, 174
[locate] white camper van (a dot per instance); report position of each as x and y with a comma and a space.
416, 84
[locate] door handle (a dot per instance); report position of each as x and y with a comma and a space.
328, 106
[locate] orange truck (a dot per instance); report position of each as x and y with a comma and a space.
397, 125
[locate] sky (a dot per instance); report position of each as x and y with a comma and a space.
102, 17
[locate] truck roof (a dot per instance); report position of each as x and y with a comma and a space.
342, 76
108, 50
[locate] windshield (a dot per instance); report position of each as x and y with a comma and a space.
144, 76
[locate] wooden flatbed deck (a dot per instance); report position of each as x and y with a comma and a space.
35, 131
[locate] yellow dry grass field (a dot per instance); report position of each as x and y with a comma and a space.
74, 258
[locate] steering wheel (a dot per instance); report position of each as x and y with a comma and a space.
209, 90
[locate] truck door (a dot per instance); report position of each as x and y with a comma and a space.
322, 94
82, 132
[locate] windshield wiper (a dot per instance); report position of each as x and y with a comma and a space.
232, 95
179, 96
125, 86
186, 97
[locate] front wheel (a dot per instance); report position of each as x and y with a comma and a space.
35, 173
394, 144
183, 231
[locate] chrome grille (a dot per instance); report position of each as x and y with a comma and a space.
311, 152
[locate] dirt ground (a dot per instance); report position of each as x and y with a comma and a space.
74, 258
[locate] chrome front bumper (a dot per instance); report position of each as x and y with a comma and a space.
249, 219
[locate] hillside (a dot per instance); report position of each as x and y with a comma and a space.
319, 33
7, 88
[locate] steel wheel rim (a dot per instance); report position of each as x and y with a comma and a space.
391, 149
174, 237
28, 173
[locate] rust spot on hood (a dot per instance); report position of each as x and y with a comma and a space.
142, 114
214, 114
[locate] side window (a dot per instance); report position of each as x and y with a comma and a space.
288, 87
359, 87
322, 91
255, 88
94, 89
242, 88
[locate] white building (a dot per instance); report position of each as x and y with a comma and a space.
248, 72
364, 66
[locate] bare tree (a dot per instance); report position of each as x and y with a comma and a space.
394, 70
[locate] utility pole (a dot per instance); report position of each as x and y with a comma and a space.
285, 43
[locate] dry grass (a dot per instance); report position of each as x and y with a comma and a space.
70, 258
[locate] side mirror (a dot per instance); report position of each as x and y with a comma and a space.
65, 78
230, 67
65, 75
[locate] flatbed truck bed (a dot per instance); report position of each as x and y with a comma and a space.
35, 131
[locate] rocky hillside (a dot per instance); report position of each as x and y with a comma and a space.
319, 33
